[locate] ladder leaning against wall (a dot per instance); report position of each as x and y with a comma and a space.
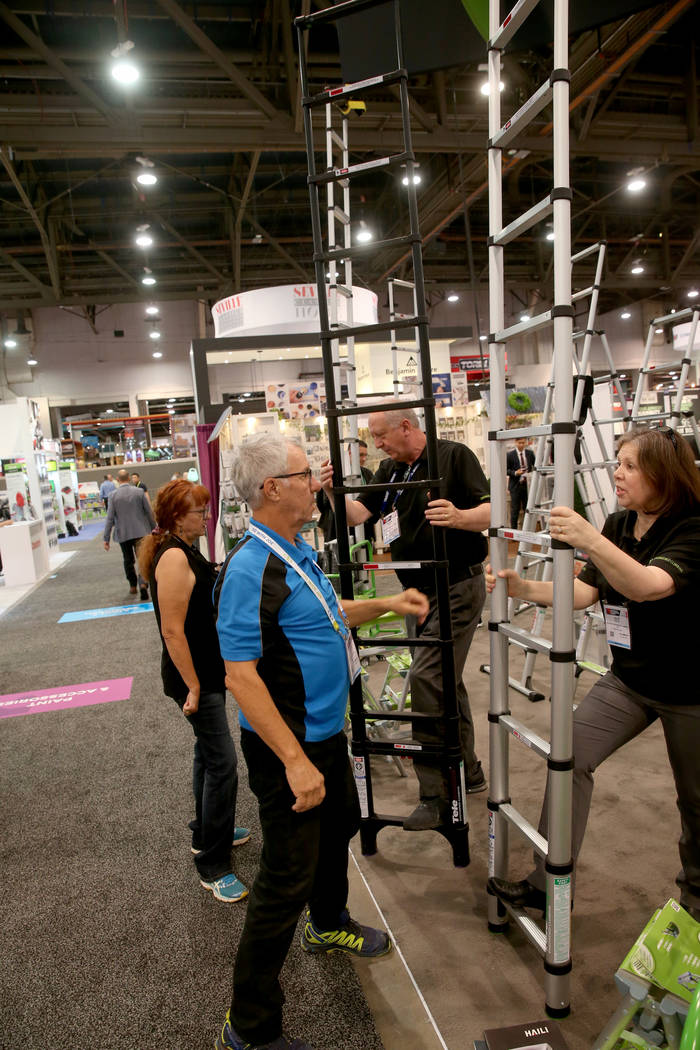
340, 410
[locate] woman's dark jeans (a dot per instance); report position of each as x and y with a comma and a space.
215, 783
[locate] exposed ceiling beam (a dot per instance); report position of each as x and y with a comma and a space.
278, 248
27, 274
103, 255
239, 218
687, 254
205, 44
45, 242
190, 248
33, 142
51, 59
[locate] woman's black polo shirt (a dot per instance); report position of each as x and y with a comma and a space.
663, 660
464, 485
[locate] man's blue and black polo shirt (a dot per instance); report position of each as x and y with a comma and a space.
266, 612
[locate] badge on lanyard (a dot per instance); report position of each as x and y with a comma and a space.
390, 527
617, 626
352, 655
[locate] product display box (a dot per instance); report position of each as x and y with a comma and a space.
533, 1035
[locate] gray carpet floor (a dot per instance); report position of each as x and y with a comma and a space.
107, 938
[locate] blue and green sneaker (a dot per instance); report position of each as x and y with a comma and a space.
228, 1039
364, 942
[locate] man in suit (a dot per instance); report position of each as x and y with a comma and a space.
129, 514
519, 462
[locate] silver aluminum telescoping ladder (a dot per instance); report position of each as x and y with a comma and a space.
340, 410
538, 564
554, 941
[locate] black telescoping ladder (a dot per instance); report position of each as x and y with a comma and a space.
339, 409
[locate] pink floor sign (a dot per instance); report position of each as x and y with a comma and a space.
63, 696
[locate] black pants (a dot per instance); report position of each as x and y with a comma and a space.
129, 555
518, 499
304, 858
215, 784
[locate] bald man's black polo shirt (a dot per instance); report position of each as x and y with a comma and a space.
662, 662
464, 484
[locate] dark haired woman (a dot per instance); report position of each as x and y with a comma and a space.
182, 581
645, 569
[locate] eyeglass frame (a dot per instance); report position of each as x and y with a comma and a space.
308, 474
204, 511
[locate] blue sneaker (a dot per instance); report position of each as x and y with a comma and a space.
240, 835
364, 942
228, 1039
227, 889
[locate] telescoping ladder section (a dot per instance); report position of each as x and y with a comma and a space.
554, 941
340, 410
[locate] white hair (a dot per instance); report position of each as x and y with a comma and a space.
395, 416
260, 456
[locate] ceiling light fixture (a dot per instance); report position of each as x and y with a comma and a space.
636, 185
625, 315
124, 71
453, 297
659, 331
148, 279
524, 317
157, 354
31, 361
692, 294
637, 269
550, 236
155, 334
483, 338
151, 311
144, 240
147, 178
109, 411
484, 89
364, 234
10, 344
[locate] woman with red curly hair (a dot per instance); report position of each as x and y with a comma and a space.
193, 674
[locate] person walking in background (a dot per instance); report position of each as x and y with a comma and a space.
182, 582
136, 480
129, 514
645, 570
106, 488
520, 461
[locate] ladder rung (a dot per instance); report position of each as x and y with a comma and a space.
369, 329
524, 222
544, 430
341, 216
406, 349
528, 111
582, 294
680, 315
528, 830
335, 174
543, 539
336, 139
334, 93
585, 251
530, 641
512, 22
387, 406
618, 419
531, 325
330, 14
341, 289
401, 284
526, 736
358, 249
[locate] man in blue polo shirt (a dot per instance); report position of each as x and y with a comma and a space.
289, 660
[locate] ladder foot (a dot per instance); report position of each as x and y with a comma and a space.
498, 927
557, 1011
458, 838
368, 838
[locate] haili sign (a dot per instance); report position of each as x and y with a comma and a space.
286, 309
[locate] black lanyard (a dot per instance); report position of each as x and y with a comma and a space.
410, 471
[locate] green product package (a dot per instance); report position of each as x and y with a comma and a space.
667, 951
